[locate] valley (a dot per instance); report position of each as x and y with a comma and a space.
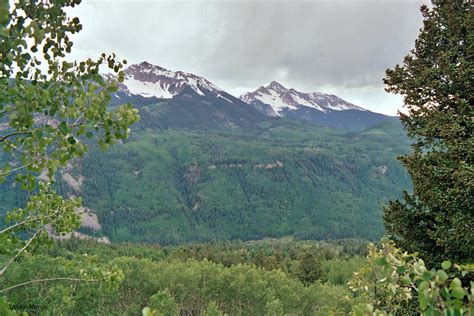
243, 184
202, 165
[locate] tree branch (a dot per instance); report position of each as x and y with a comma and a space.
27, 221
80, 121
19, 224
5, 137
15, 169
19, 252
45, 280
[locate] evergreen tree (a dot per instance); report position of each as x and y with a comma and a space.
436, 81
309, 268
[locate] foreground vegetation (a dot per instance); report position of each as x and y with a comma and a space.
255, 278
265, 277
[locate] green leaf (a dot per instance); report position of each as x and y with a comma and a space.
71, 140
458, 292
63, 128
426, 275
423, 285
406, 280
423, 302
82, 130
446, 265
455, 283
381, 261
3, 13
443, 276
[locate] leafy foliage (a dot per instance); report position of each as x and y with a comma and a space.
437, 219
393, 280
170, 283
309, 268
56, 285
218, 185
48, 106
3, 13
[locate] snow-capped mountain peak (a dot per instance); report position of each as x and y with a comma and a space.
276, 86
148, 80
275, 99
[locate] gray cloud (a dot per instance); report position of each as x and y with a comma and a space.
333, 46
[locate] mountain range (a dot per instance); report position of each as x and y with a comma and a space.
198, 102
275, 99
203, 165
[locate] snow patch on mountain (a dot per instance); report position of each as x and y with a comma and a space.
280, 98
223, 97
147, 89
151, 81
274, 99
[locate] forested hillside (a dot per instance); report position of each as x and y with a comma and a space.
276, 179
282, 178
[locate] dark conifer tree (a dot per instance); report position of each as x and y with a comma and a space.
436, 81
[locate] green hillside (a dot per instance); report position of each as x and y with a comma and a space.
282, 178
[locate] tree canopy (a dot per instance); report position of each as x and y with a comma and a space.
436, 81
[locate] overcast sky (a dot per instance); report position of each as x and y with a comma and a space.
332, 46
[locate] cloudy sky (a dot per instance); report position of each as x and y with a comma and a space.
333, 46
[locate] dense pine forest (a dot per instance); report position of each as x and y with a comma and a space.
249, 215
278, 179
183, 186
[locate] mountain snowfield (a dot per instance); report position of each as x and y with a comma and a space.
279, 98
151, 81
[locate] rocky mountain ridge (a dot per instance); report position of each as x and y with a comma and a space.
190, 101
275, 98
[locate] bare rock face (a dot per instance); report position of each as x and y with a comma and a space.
53, 235
89, 219
193, 174
277, 164
73, 182
380, 170
269, 166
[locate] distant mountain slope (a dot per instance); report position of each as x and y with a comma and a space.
286, 178
185, 100
319, 108
280, 98
168, 99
